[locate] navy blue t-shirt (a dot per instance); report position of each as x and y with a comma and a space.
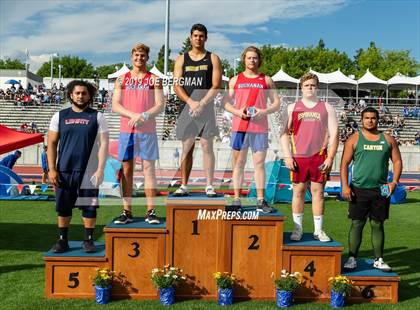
78, 132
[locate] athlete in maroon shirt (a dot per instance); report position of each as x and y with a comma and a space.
311, 127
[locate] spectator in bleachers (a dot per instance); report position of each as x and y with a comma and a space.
417, 138
406, 111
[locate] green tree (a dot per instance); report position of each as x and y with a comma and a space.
73, 67
186, 46
104, 70
161, 60
227, 70
371, 59
12, 64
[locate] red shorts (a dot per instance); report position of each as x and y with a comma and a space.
308, 169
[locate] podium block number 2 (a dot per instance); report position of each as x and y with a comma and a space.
254, 244
73, 278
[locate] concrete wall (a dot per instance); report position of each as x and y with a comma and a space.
32, 156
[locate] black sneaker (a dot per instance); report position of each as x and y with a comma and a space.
236, 206
262, 206
151, 217
61, 246
89, 246
124, 218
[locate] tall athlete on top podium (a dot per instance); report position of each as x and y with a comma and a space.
249, 92
138, 98
311, 127
197, 79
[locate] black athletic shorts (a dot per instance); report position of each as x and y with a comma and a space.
368, 202
75, 191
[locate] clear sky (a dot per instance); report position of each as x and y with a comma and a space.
103, 31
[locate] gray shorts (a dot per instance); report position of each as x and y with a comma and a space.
202, 126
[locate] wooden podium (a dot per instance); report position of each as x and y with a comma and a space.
133, 251
68, 275
316, 261
201, 237
253, 249
194, 244
372, 285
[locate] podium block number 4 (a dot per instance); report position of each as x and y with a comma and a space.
310, 268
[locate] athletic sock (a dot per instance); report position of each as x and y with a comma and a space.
89, 233
378, 237
318, 221
355, 236
63, 233
298, 220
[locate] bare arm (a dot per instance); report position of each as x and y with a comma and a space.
332, 137
396, 161
102, 156
346, 159
53, 138
179, 90
116, 100
273, 96
216, 81
227, 105
159, 100
285, 137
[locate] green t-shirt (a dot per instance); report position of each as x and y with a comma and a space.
371, 160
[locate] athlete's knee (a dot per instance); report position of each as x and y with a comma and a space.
358, 223
375, 224
89, 214
148, 168
65, 213
206, 146
299, 193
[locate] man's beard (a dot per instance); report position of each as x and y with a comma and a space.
81, 106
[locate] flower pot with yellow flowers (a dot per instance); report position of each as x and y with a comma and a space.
224, 281
340, 289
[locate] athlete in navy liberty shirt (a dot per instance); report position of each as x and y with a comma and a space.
82, 136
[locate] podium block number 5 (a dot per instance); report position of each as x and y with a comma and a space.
73, 278
136, 251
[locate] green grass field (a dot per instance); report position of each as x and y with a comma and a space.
28, 229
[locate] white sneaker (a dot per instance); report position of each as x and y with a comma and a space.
351, 263
381, 265
296, 235
181, 191
321, 236
210, 191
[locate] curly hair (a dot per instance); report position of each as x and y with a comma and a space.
89, 86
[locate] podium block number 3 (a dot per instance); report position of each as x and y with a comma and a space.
73, 278
136, 250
